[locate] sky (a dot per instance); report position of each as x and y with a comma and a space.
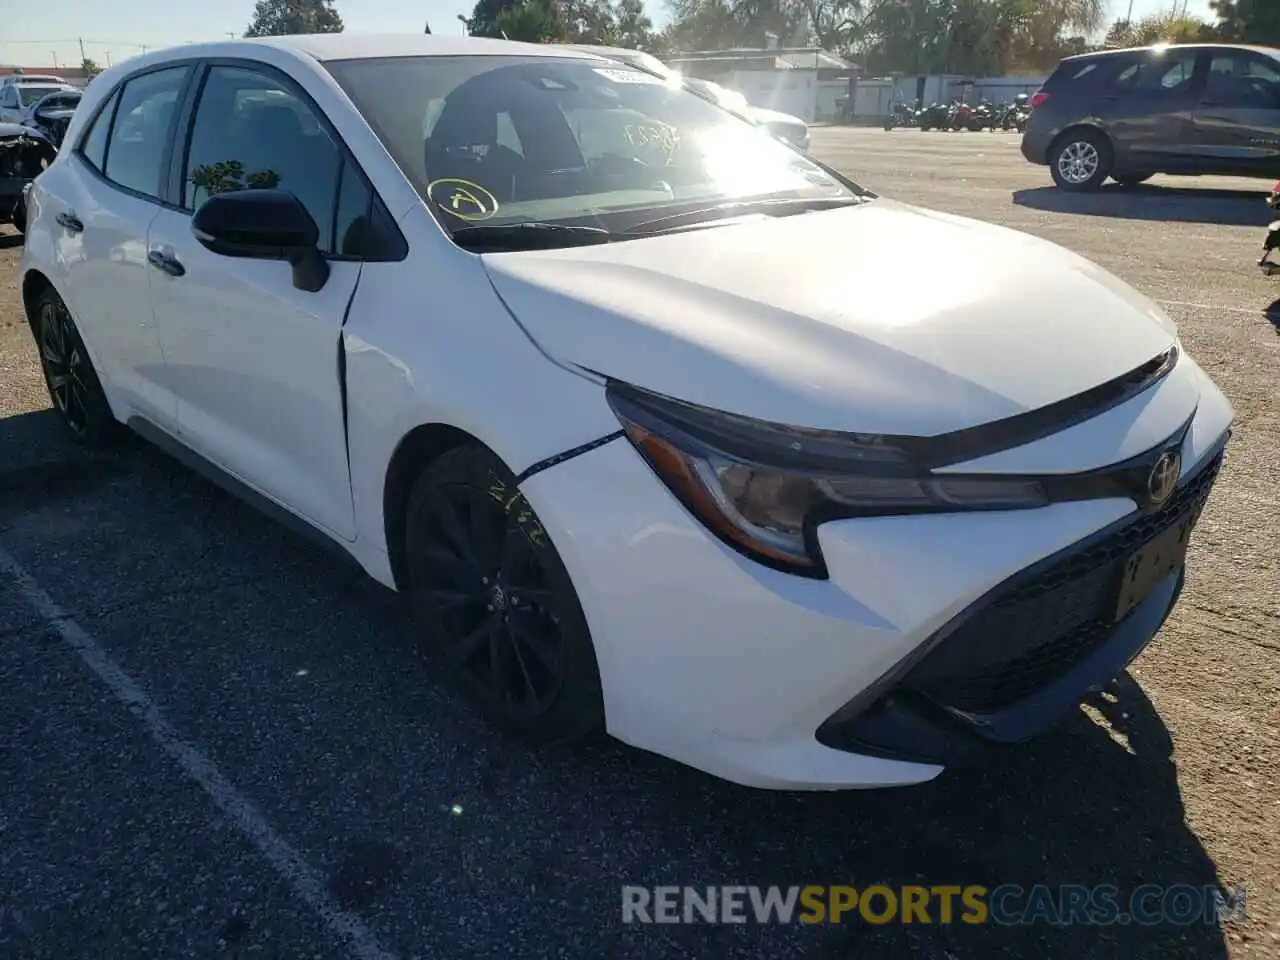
45, 32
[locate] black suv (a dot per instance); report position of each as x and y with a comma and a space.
1187, 109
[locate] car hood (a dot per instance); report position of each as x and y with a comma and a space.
878, 318
762, 115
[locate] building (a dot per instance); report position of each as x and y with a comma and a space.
803, 81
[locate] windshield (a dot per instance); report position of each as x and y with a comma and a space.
509, 140
30, 94
61, 102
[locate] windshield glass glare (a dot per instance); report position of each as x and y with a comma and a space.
27, 95
502, 140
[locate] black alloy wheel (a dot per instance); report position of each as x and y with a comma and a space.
74, 387
495, 602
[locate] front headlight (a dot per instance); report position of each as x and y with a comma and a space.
763, 488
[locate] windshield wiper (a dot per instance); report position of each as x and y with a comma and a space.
771, 206
530, 235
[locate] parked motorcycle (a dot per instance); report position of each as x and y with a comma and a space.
983, 116
1018, 114
902, 114
936, 116
960, 114
1270, 267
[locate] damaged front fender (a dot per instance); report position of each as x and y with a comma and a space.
24, 154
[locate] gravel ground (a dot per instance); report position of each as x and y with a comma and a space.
215, 741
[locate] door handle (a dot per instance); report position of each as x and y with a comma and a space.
70, 222
165, 263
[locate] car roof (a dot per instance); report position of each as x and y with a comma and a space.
1096, 54
353, 46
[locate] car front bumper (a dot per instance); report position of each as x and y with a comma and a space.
933, 634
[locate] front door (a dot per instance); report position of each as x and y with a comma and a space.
254, 361
1238, 115
1149, 107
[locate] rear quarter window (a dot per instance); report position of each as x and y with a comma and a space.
1074, 75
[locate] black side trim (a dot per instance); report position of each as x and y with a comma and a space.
216, 475
1016, 431
567, 455
897, 455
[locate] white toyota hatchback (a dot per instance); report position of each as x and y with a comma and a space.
655, 420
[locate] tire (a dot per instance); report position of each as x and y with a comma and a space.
1131, 179
19, 217
1080, 161
494, 603
73, 384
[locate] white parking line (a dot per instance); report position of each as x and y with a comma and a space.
244, 816
1211, 306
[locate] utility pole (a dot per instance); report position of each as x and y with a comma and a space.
83, 58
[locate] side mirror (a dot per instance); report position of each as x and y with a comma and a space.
264, 225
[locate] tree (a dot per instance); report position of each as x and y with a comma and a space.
533, 21
89, 68
273, 18
613, 23
1247, 21
1166, 28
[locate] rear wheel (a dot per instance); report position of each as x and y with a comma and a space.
494, 602
73, 384
1132, 179
1080, 161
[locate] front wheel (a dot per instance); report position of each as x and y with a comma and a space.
1080, 161
495, 603
74, 387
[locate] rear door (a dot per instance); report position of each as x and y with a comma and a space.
101, 201
1237, 117
1149, 109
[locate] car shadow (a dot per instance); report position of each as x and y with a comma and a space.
1088, 804
1094, 802
1239, 208
1272, 313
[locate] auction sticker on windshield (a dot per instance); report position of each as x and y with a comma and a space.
462, 199
627, 76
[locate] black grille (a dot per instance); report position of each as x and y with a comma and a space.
1025, 636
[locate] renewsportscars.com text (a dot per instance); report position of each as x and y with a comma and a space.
1008, 904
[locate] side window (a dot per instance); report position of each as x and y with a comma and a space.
251, 131
1168, 75
94, 146
1243, 80
351, 222
142, 129
506, 136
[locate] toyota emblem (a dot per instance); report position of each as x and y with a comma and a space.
1163, 477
